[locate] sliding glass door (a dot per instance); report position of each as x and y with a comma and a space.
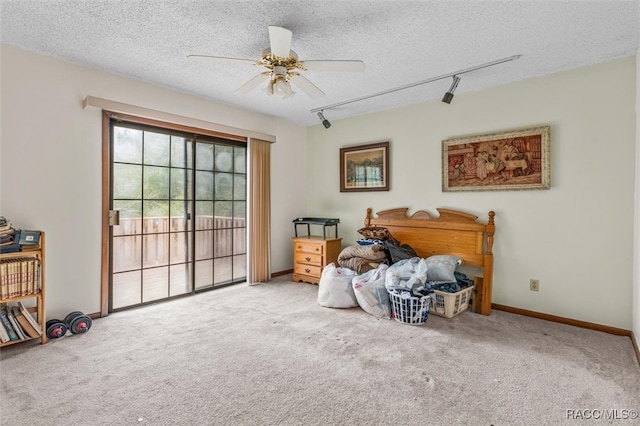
178, 209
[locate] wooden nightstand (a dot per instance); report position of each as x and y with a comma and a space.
311, 254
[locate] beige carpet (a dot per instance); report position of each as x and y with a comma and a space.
268, 354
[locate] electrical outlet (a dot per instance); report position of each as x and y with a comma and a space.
534, 285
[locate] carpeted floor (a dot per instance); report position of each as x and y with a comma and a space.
268, 354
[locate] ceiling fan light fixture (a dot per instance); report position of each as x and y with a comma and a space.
279, 88
282, 88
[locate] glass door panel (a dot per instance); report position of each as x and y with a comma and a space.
221, 259
155, 284
126, 288
151, 190
180, 279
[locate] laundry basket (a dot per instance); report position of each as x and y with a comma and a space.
409, 309
449, 305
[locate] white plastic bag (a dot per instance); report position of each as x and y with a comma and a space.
371, 293
335, 289
406, 274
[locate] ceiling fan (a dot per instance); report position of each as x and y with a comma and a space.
284, 67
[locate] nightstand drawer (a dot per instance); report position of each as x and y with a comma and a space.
314, 271
308, 258
308, 247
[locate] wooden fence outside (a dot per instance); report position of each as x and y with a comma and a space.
154, 241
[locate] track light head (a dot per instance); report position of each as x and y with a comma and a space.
447, 98
449, 95
325, 122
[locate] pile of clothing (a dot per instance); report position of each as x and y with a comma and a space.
376, 248
461, 282
380, 266
362, 258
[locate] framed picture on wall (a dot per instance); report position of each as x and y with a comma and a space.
365, 167
509, 160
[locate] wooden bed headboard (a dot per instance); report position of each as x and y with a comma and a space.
452, 232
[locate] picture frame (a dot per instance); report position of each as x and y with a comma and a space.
517, 159
365, 167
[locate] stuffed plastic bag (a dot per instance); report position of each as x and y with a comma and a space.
407, 274
371, 294
335, 289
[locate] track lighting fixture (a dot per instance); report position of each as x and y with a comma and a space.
325, 122
449, 95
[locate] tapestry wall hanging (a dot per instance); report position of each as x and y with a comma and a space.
509, 160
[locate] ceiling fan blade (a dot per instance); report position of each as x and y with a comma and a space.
333, 65
280, 40
251, 84
306, 86
224, 60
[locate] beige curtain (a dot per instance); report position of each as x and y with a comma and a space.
260, 211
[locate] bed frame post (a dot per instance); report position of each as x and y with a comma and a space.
487, 283
367, 220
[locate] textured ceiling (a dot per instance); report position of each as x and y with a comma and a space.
401, 42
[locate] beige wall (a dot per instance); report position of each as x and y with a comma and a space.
50, 164
575, 238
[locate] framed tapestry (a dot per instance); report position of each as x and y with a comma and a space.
365, 168
509, 160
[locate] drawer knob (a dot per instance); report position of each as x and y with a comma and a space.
307, 270
307, 258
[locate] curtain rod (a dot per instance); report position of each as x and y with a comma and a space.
407, 86
115, 106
